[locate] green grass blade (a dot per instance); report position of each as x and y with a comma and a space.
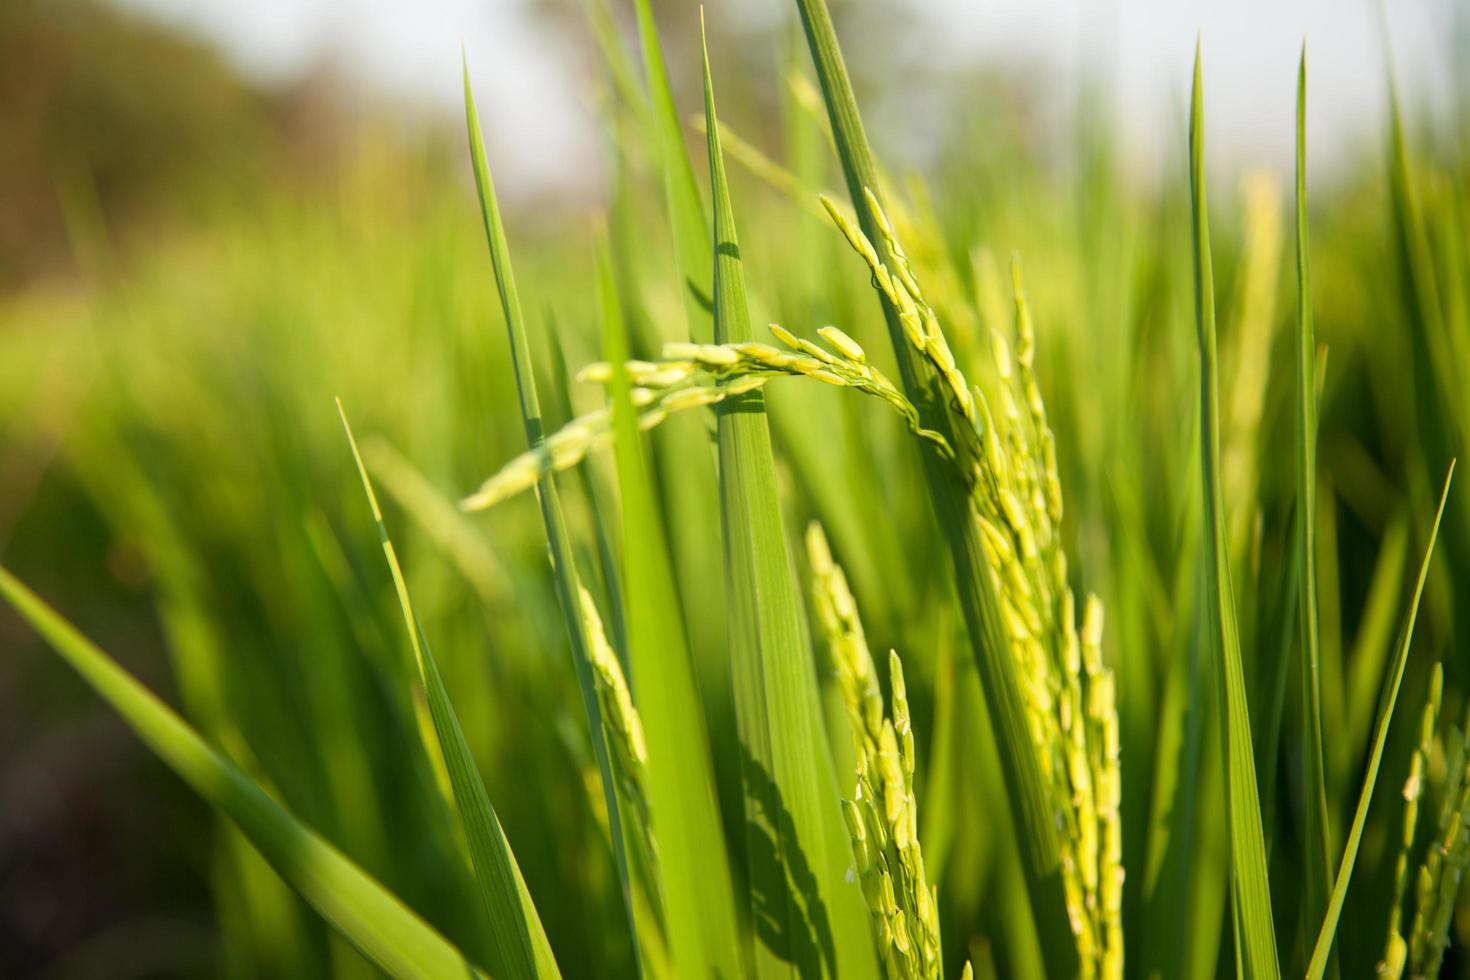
1318, 841
1375, 638
683, 455
517, 942
1438, 369
797, 842
360, 908
686, 210
1028, 793
1256, 934
568, 588
694, 869
1328, 933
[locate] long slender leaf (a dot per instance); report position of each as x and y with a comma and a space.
568, 588
1375, 640
1318, 840
1028, 793
798, 846
694, 869
360, 908
686, 211
683, 456
1255, 931
517, 943
1438, 369
1323, 948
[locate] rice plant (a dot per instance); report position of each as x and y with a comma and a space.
635, 724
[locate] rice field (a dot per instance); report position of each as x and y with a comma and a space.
796, 568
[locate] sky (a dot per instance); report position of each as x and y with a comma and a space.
528, 84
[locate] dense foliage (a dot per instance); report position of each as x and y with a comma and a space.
1174, 597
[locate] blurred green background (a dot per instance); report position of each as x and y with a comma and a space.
194, 261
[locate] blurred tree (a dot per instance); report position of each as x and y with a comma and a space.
108, 117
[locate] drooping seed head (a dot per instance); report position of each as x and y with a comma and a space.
742, 385
844, 344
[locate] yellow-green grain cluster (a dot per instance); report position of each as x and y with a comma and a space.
697, 376
1006, 453
1418, 950
623, 727
882, 815
612, 688
1396, 953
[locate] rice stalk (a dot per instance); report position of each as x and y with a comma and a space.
1022, 818
1006, 458
1030, 794
568, 585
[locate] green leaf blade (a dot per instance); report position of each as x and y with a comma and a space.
799, 847
1322, 950
686, 210
1255, 930
356, 905
1318, 840
516, 939
694, 869
568, 586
